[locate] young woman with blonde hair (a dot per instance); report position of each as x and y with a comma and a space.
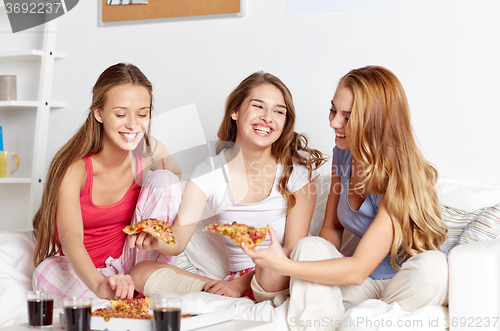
382, 190
93, 190
263, 173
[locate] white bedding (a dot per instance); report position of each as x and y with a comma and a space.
16, 268
16, 252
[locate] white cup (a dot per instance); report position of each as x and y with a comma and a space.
9, 163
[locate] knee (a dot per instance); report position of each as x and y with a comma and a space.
314, 248
141, 272
269, 280
160, 178
163, 182
431, 270
277, 296
310, 241
437, 264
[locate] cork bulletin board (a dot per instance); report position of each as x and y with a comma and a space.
168, 9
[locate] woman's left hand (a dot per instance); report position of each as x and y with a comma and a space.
272, 258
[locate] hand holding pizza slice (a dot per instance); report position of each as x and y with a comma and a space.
158, 229
272, 258
240, 233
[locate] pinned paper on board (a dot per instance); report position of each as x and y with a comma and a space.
308, 6
116, 12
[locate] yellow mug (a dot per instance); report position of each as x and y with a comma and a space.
9, 163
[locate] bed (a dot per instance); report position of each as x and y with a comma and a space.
470, 209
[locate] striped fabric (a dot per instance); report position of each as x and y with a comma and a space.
184, 263
484, 226
456, 220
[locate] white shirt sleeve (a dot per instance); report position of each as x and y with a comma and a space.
300, 175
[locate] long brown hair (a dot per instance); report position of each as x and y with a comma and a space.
381, 138
86, 141
286, 148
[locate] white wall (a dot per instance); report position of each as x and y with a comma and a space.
444, 52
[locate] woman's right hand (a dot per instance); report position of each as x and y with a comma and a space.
145, 242
119, 286
272, 257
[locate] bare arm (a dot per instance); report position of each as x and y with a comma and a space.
70, 230
298, 219
371, 250
332, 230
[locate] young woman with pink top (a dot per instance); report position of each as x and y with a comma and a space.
96, 185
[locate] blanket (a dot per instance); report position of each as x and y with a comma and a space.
203, 256
16, 268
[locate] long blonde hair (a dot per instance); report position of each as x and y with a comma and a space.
86, 141
286, 148
381, 138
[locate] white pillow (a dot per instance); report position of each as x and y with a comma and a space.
456, 220
484, 226
466, 194
16, 270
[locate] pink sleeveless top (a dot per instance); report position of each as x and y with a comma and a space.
102, 225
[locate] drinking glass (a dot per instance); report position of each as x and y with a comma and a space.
166, 312
40, 308
77, 313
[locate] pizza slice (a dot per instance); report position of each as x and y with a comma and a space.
158, 229
137, 308
135, 305
240, 233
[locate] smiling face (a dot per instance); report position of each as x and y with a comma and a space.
339, 115
261, 117
125, 115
